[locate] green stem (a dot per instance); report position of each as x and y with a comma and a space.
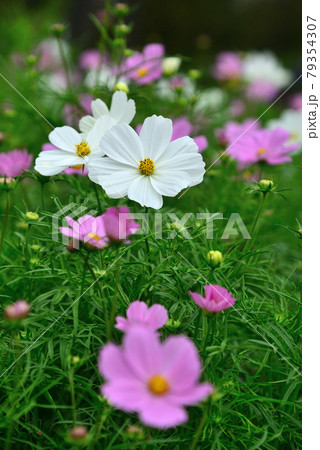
205, 330
73, 401
146, 238
97, 197
258, 213
42, 196
115, 296
199, 431
5, 221
65, 63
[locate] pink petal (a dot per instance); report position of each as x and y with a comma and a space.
129, 395
137, 311
156, 316
122, 324
201, 142
198, 299
191, 396
112, 364
161, 414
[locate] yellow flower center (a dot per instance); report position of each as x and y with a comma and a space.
261, 151
94, 236
83, 149
142, 72
158, 385
77, 167
146, 166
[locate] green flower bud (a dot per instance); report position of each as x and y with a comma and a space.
121, 9
121, 87
265, 185
57, 29
134, 432
194, 74
122, 30
32, 216
171, 65
214, 257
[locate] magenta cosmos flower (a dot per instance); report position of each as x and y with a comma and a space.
156, 380
227, 67
263, 145
74, 170
145, 67
138, 313
13, 164
92, 59
181, 128
18, 310
216, 298
233, 130
87, 229
119, 224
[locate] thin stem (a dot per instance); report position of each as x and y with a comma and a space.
199, 431
65, 63
146, 238
115, 296
97, 197
5, 221
73, 401
258, 213
42, 196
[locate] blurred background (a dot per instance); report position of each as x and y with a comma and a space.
196, 29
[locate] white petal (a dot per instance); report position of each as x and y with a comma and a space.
99, 108
53, 162
122, 109
112, 176
171, 183
142, 191
155, 136
122, 144
65, 138
102, 124
181, 146
86, 123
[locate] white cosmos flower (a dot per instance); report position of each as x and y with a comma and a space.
122, 110
148, 166
290, 120
71, 148
265, 66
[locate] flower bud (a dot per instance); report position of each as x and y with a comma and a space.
121, 87
31, 60
171, 65
214, 257
265, 185
7, 183
78, 432
73, 245
194, 74
122, 30
57, 29
134, 432
32, 216
128, 52
121, 9
18, 310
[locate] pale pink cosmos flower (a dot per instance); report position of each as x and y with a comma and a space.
296, 101
263, 145
157, 380
138, 313
227, 67
91, 59
74, 170
183, 127
261, 91
233, 130
14, 163
216, 298
87, 229
145, 67
237, 107
119, 224
18, 310
72, 113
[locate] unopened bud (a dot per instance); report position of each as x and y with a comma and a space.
18, 310
121, 87
194, 74
57, 29
266, 185
135, 432
32, 216
122, 30
171, 65
78, 432
214, 257
121, 9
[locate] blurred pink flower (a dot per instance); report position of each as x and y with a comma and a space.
138, 313
261, 91
227, 67
72, 113
237, 108
296, 101
182, 127
87, 229
216, 298
74, 170
15, 162
91, 59
145, 67
263, 145
18, 310
232, 130
119, 224
156, 380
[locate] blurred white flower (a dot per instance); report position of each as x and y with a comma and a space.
177, 86
210, 99
148, 166
290, 120
265, 66
171, 65
122, 110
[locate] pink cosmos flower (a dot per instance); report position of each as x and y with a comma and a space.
18, 310
87, 229
138, 313
119, 224
233, 130
145, 67
156, 380
74, 170
227, 67
261, 91
296, 101
237, 108
263, 145
15, 162
91, 59
182, 127
73, 113
216, 298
